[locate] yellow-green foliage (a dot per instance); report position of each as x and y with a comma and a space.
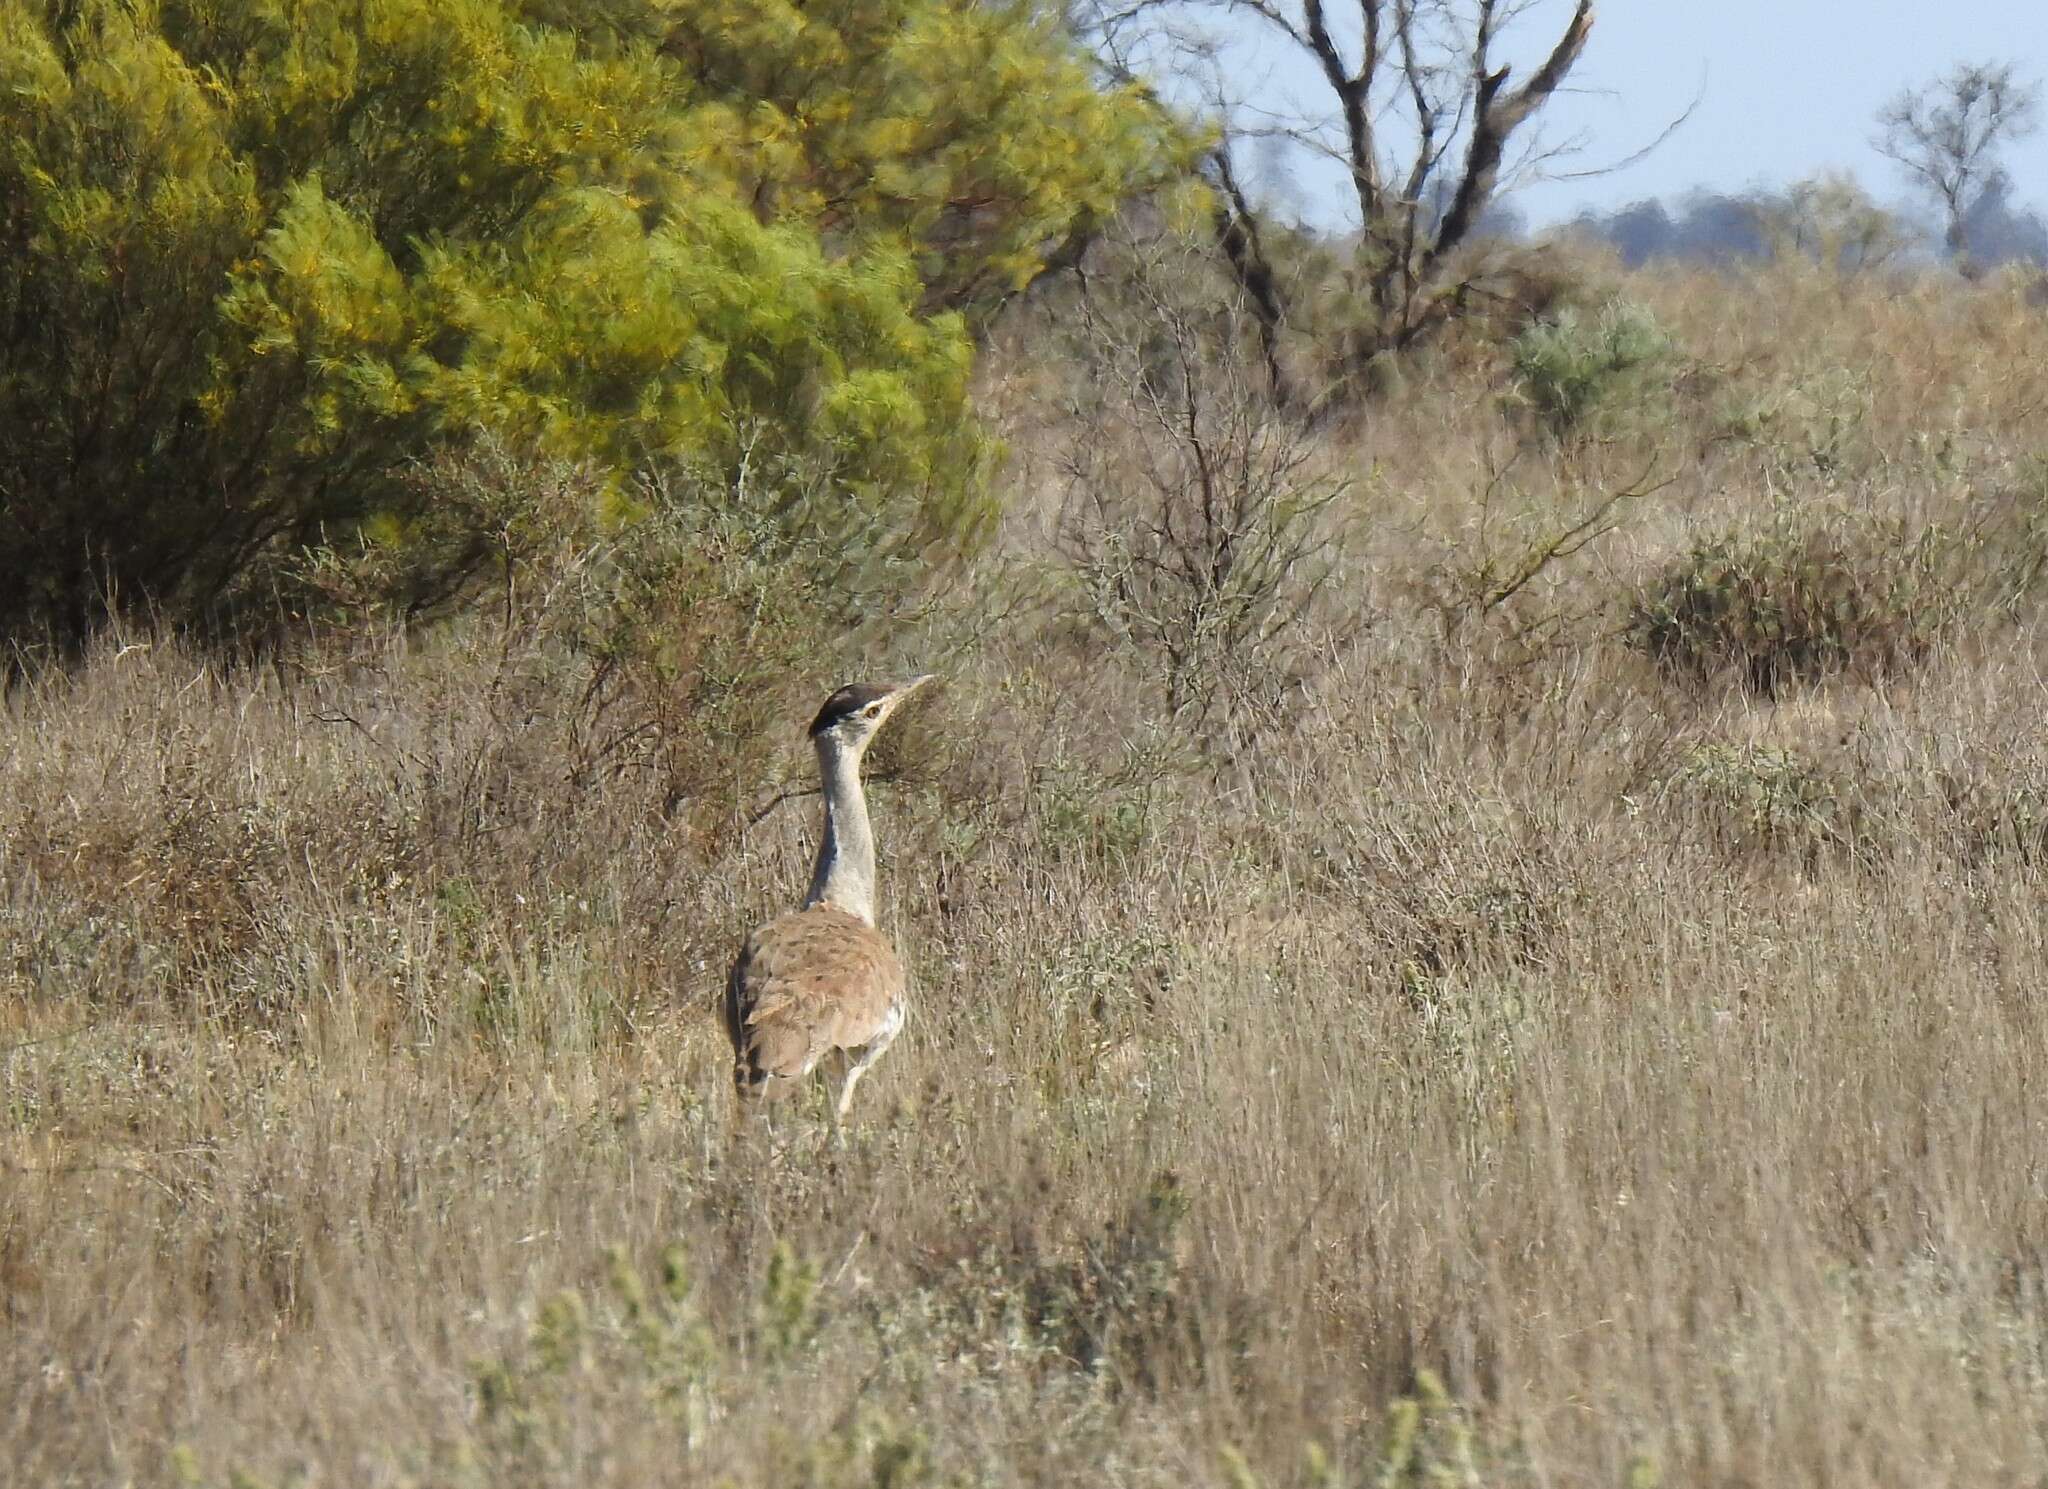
256, 253
969, 134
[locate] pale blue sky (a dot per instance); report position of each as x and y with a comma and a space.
1787, 89
1790, 87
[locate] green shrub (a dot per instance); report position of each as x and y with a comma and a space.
256, 255
1810, 595
1756, 797
1579, 377
1817, 425
1431, 1441
1121, 1309
636, 1341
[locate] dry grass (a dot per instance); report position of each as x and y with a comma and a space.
1533, 1068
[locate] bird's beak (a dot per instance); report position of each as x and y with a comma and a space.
903, 690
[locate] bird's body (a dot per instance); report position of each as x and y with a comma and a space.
821, 983
814, 983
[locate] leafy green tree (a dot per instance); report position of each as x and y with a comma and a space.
255, 255
973, 133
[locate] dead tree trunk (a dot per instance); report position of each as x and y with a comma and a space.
1421, 111
1237, 235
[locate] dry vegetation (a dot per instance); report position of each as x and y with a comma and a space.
1541, 1058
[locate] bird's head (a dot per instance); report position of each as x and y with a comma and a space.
852, 716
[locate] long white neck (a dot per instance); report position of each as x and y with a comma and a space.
845, 872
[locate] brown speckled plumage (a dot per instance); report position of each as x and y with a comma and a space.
807, 985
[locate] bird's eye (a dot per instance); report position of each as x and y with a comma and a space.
873, 710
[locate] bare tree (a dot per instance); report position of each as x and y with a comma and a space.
1946, 136
1416, 107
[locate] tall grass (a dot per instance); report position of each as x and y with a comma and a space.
1535, 1066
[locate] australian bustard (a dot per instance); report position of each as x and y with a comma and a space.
821, 982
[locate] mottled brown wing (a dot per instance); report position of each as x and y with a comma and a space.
803, 986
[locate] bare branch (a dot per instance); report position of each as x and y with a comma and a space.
1353, 90
1195, 522
1499, 116
1237, 233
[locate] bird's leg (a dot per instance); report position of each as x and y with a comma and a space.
855, 1069
838, 1087
857, 1063
755, 1137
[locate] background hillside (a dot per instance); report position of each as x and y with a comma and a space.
1477, 924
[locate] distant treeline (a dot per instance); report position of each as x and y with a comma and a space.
1708, 227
